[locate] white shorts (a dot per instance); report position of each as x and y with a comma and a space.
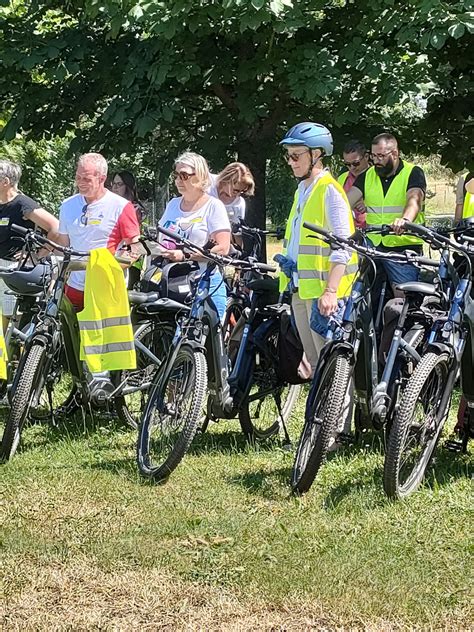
7, 301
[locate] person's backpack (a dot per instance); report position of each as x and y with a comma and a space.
293, 367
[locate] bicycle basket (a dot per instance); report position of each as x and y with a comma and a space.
172, 280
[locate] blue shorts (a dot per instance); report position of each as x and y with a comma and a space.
399, 272
319, 323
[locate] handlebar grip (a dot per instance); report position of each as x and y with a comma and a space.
19, 229
378, 228
264, 267
316, 229
425, 261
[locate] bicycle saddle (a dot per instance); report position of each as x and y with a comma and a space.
417, 287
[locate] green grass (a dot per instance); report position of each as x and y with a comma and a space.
86, 543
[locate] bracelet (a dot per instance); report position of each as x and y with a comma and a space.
330, 290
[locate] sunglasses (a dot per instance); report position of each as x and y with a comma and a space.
84, 216
380, 156
295, 157
354, 163
183, 175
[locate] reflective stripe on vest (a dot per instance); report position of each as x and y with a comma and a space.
3, 351
468, 207
313, 254
385, 209
107, 342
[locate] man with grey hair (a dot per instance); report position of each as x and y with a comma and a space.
94, 218
17, 208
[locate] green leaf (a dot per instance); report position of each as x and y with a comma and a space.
457, 30
438, 40
144, 125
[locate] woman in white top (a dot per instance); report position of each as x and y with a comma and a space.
230, 186
199, 217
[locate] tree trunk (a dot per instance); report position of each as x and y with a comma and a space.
256, 162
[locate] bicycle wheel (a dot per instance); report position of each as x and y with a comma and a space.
259, 415
321, 422
416, 427
22, 400
172, 414
157, 338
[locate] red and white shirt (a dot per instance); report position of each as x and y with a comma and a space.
104, 223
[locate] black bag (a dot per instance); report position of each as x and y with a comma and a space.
293, 367
172, 280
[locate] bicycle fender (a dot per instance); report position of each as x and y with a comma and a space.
439, 348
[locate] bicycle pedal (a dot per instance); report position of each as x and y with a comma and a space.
345, 438
454, 445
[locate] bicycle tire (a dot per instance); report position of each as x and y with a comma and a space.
21, 401
431, 368
321, 422
194, 395
265, 377
129, 407
234, 310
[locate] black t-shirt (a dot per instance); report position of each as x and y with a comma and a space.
14, 212
416, 180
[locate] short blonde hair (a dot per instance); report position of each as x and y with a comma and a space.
237, 173
99, 162
199, 165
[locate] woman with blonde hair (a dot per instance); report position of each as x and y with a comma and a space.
199, 217
231, 185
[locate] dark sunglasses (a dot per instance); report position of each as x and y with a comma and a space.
84, 217
183, 175
354, 163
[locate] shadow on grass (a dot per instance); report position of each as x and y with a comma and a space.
269, 484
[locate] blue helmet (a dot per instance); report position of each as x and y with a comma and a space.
311, 135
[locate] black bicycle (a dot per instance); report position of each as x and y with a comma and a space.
197, 381
50, 375
349, 360
424, 406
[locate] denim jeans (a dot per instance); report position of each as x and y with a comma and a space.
218, 294
320, 323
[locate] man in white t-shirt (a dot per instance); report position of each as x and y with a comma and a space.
94, 218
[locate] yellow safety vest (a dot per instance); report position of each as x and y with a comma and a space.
342, 178
384, 209
3, 351
104, 323
313, 254
468, 208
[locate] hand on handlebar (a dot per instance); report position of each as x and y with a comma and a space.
399, 225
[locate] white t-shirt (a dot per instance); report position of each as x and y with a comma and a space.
236, 209
110, 220
197, 226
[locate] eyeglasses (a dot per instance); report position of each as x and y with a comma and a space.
236, 191
354, 163
183, 175
295, 157
380, 156
84, 216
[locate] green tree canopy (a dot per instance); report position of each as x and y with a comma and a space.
227, 77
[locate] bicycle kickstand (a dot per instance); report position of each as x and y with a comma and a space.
288, 444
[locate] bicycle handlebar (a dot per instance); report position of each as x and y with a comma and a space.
219, 259
30, 234
406, 257
279, 232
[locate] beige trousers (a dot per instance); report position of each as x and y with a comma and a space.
312, 342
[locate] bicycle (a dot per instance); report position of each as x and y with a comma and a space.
198, 369
52, 350
425, 402
350, 355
